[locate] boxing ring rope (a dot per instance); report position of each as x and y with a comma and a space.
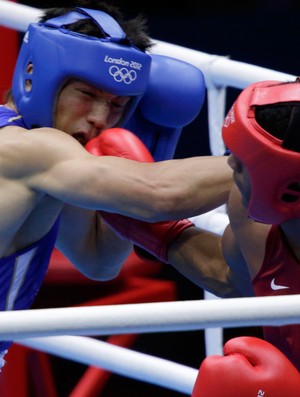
139, 318
150, 317
17, 16
119, 360
220, 73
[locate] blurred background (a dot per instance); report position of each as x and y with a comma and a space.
262, 32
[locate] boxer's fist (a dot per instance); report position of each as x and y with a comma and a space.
250, 367
120, 143
154, 238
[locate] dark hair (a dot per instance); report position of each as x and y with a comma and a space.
136, 28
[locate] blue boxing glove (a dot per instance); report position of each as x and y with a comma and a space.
174, 97
175, 92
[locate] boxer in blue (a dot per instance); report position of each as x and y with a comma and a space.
79, 72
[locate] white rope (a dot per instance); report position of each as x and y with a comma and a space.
216, 103
17, 16
220, 71
118, 360
151, 317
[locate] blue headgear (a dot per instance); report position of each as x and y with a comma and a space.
58, 54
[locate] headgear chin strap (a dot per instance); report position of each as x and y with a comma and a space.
274, 171
58, 54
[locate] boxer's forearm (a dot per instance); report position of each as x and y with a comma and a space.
197, 255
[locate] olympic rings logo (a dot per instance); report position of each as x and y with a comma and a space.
122, 75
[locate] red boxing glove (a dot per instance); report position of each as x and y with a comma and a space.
151, 237
251, 367
120, 143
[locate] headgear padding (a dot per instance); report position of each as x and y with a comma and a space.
274, 171
58, 54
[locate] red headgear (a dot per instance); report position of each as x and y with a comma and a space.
274, 171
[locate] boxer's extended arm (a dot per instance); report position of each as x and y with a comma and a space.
196, 254
170, 189
213, 185
250, 367
153, 237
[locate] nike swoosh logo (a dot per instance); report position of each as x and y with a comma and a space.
276, 287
